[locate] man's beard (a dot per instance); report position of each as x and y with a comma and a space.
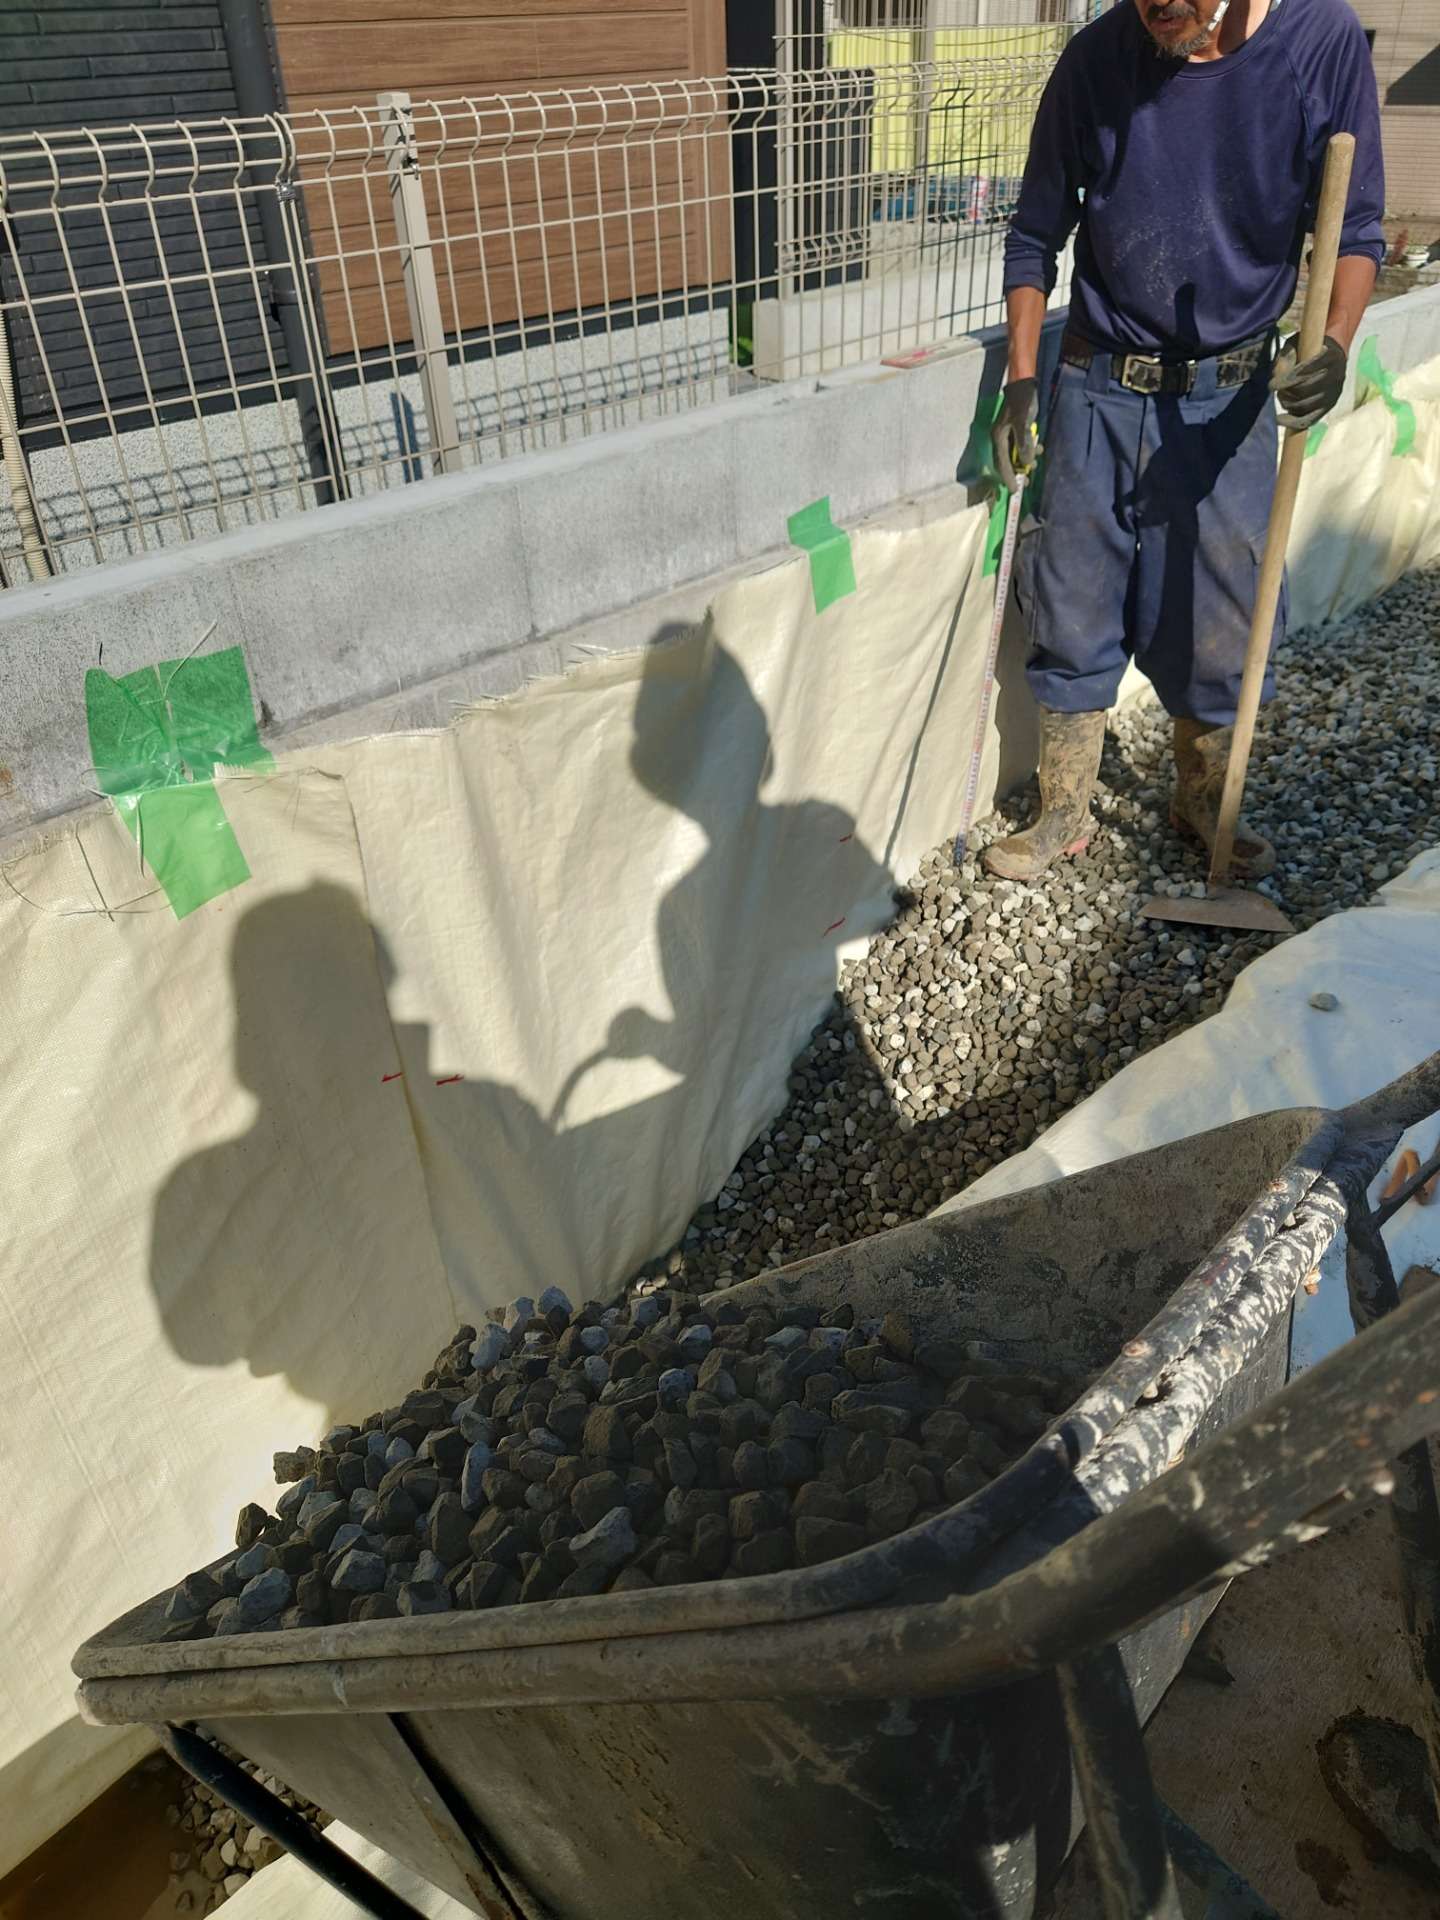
1181, 49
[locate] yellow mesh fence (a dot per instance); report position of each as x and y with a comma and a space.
984, 86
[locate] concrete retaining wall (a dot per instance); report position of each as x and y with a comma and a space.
378, 614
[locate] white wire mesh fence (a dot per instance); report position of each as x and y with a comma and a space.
215, 322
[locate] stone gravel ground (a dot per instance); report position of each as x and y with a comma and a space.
990, 1008
215, 1851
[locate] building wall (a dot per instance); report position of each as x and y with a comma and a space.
1407, 71
100, 63
71, 63
545, 233
107, 61
335, 52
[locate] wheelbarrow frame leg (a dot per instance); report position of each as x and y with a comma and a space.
1122, 1814
263, 1809
1230, 1895
1414, 1510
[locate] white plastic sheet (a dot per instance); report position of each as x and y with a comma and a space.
213, 1229
1366, 514
288, 1891
623, 911
242, 1192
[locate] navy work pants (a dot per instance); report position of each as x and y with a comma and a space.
1148, 542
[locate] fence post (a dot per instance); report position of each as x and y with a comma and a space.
422, 292
252, 74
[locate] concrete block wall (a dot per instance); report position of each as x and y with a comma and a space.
352, 616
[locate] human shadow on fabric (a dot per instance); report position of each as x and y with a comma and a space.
263, 1246
258, 1242
254, 1258
701, 743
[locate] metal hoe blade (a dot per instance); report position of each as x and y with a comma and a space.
1222, 907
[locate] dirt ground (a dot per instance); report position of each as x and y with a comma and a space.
113, 1862
1312, 1637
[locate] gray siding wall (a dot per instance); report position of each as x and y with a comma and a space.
64, 64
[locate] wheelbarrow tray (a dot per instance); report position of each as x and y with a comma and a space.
656, 1754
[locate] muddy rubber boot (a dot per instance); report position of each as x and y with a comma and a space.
1201, 754
1070, 746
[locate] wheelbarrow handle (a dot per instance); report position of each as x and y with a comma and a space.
1413, 1097
1243, 1497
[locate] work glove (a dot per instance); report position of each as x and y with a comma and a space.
1307, 389
1015, 436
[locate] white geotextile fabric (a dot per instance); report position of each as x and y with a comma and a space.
1269, 1048
238, 1191
287, 1891
214, 1226
1364, 514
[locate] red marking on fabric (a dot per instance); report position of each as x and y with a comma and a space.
451, 1081
385, 1078
846, 836
835, 923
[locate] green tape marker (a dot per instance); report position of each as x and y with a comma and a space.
832, 565
156, 738
1374, 376
213, 713
187, 843
1313, 438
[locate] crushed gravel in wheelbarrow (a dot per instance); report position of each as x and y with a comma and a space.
563, 1452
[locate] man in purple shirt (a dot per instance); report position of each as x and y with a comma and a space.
1185, 140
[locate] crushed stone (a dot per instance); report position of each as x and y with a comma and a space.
724, 1441
989, 1007
215, 1851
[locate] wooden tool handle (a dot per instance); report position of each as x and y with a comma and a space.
1334, 187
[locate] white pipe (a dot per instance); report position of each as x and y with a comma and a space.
16, 470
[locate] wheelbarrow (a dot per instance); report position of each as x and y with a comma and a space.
923, 1727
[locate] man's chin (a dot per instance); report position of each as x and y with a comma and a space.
1181, 47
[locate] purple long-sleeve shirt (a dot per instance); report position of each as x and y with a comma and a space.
1194, 182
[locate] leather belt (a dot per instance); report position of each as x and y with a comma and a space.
1150, 373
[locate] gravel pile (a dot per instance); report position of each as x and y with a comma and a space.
990, 1007
216, 1851
568, 1452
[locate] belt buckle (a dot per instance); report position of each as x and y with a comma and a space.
1142, 373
